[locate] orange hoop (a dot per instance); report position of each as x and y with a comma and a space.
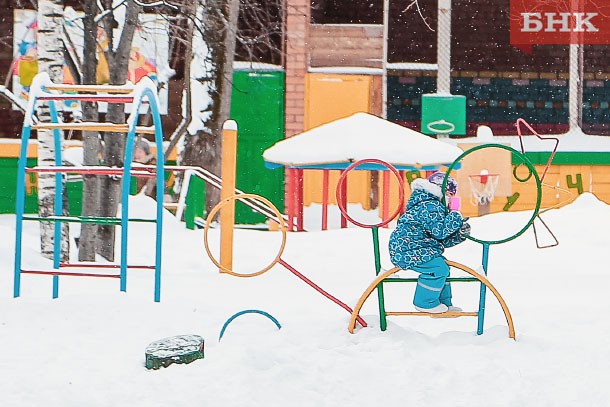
219, 206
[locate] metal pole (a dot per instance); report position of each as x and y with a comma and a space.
576, 76
383, 323
227, 214
481, 313
443, 48
384, 62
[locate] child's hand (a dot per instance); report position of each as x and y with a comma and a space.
465, 229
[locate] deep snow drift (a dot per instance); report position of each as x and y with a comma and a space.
87, 347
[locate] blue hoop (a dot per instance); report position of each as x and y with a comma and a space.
248, 311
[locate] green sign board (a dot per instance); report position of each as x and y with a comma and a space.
443, 114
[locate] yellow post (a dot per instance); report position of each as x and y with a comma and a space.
227, 172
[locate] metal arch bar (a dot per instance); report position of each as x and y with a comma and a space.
248, 311
146, 93
316, 287
481, 278
216, 181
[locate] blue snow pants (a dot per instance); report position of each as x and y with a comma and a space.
432, 288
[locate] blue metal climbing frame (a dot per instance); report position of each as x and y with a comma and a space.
43, 90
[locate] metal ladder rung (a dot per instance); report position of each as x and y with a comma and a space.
93, 126
103, 265
97, 220
414, 279
63, 273
92, 169
116, 98
90, 88
448, 314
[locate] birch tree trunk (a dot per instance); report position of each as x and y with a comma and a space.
114, 143
218, 31
50, 60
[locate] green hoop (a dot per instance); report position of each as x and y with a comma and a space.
521, 179
532, 170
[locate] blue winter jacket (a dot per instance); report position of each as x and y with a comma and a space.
426, 227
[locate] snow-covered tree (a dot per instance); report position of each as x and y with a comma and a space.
213, 69
50, 60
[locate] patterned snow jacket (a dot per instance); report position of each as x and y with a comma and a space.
426, 227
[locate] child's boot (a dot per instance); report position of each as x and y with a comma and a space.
439, 309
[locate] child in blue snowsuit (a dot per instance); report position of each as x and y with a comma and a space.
423, 232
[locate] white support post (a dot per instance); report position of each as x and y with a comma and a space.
443, 50
384, 62
575, 86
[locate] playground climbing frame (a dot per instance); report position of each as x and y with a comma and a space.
43, 90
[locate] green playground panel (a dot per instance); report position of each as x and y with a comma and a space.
8, 188
257, 105
449, 109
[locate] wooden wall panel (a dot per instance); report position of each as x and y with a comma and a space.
330, 97
345, 45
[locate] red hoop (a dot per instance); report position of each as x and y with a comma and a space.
401, 192
483, 178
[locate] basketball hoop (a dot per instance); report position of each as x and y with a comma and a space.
483, 187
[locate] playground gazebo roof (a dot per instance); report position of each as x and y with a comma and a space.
338, 144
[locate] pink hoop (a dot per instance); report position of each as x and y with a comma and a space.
401, 192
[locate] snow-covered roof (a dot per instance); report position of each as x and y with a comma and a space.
255, 66
361, 136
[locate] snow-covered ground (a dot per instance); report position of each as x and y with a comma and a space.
87, 347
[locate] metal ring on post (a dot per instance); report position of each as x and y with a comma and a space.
533, 172
521, 179
219, 206
401, 192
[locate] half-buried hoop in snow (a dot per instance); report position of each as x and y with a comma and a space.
248, 311
175, 349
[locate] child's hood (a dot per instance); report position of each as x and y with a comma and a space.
427, 186
423, 190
